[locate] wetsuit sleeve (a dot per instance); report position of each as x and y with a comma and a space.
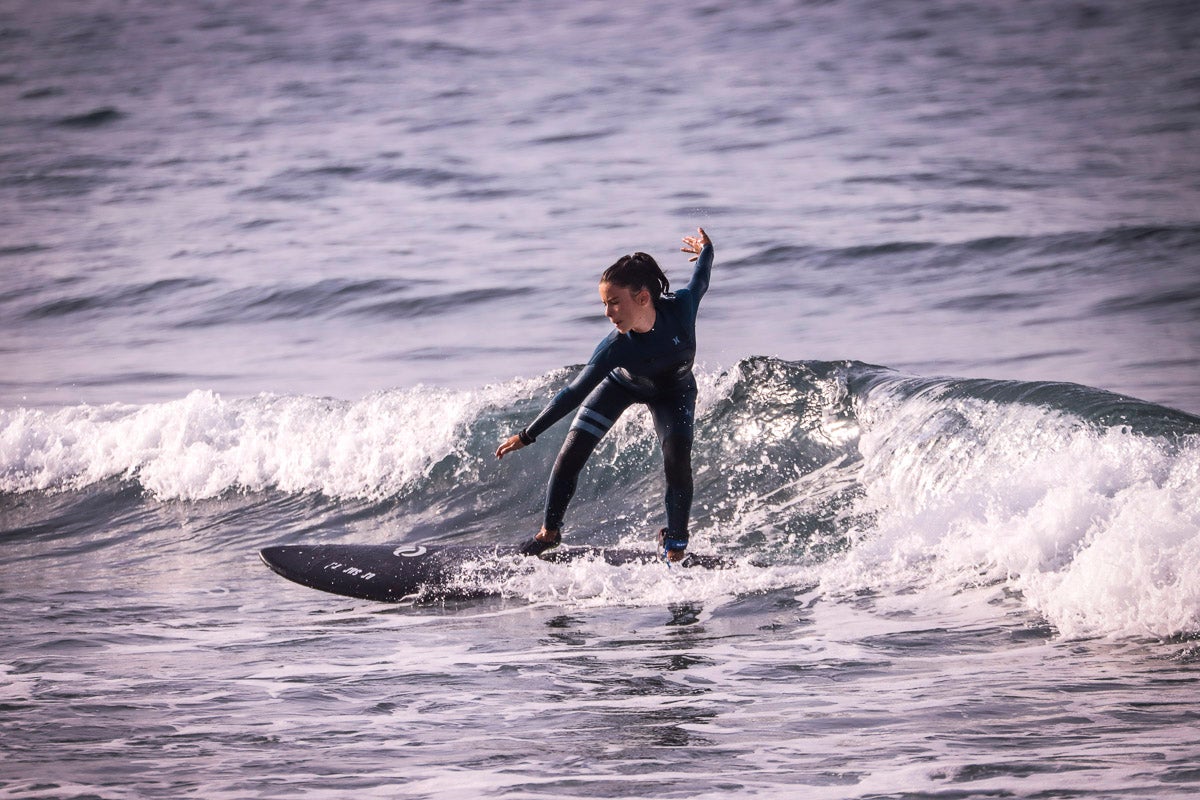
698, 285
571, 395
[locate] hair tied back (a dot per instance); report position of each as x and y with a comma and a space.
636, 272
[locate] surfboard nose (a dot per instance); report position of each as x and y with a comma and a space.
273, 557
287, 560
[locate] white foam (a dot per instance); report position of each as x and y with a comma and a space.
203, 445
1100, 530
591, 582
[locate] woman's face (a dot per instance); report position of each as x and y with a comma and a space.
626, 309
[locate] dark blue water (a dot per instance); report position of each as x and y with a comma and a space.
289, 273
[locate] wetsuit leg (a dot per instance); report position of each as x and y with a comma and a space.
674, 422
596, 415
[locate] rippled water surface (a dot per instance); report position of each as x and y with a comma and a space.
283, 273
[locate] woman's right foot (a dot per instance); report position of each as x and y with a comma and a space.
545, 540
672, 549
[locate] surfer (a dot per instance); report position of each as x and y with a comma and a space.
647, 359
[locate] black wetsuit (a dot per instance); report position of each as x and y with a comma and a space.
654, 368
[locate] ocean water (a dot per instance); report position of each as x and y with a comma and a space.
288, 272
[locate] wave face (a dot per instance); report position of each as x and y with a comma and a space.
850, 476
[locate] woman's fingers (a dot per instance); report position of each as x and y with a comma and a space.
694, 244
508, 445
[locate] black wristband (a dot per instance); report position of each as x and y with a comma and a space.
525, 438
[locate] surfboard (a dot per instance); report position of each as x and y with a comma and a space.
389, 573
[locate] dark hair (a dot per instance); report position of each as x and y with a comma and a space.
636, 272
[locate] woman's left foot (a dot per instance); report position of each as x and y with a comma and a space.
545, 540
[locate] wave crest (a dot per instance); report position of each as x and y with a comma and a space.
203, 445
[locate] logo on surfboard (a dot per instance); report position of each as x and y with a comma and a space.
409, 551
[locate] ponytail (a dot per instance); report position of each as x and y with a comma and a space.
636, 272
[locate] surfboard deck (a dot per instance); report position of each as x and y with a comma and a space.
390, 574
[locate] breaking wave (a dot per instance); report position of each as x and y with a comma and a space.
1083, 503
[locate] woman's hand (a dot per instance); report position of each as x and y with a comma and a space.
694, 244
510, 444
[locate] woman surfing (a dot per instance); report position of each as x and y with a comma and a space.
647, 359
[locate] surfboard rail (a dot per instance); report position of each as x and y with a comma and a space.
395, 573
